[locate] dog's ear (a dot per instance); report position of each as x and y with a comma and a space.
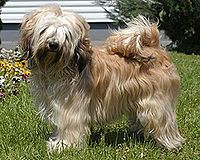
82, 54
79, 60
25, 42
26, 34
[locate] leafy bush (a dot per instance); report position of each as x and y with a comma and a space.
2, 2
125, 10
179, 19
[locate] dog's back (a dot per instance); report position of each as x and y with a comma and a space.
133, 58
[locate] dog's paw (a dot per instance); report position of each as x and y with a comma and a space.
56, 145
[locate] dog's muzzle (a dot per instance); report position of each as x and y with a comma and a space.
53, 45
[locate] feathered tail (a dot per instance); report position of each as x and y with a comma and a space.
130, 42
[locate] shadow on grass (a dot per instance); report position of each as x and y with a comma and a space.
115, 137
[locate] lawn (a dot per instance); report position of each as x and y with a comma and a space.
23, 134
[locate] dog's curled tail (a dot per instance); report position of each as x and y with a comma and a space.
131, 41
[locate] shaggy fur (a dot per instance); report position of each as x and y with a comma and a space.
75, 85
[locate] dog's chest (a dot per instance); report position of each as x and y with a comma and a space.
50, 90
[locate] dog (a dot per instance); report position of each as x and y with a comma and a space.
75, 85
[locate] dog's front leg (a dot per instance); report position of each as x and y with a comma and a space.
73, 125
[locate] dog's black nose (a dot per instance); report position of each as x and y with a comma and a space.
53, 45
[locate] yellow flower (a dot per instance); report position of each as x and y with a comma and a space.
27, 73
24, 63
8, 67
2, 63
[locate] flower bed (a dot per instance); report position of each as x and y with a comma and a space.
13, 73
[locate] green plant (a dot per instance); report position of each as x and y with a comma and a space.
13, 73
179, 19
125, 10
2, 2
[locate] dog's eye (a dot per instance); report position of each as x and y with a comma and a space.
42, 32
68, 36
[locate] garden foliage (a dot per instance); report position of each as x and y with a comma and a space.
125, 10
179, 19
13, 73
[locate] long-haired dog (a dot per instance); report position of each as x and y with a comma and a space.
75, 85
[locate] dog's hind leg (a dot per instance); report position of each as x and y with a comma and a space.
158, 117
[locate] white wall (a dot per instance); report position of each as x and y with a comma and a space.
14, 10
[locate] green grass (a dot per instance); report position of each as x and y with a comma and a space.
23, 135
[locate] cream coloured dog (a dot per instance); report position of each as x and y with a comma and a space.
75, 85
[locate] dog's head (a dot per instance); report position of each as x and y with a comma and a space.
53, 38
